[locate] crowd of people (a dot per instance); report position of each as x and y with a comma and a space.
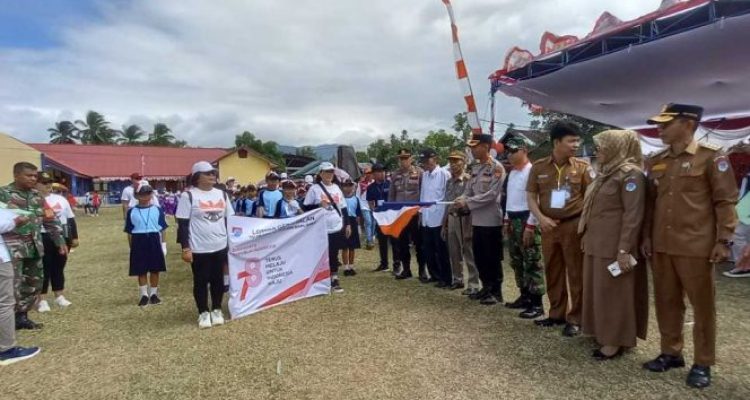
580, 234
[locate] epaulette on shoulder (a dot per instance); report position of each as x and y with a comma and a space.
542, 160
630, 167
658, 154
581, 161
710, 146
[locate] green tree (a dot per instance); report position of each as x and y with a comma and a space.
179, 143
131, 135
443, 142
306, 151
161, 136
95, 129
64, 132
461, 126
386, 152
269, 149
362, 157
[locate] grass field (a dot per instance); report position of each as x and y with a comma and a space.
381, 339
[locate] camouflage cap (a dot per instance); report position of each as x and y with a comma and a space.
515, 143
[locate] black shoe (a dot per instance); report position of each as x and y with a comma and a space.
336, 286
143, 302
23, 322
664, 363
571, 330
599, 356
424, 279
441, 284
548, 322
490, 300
522, 302
457, 286
352, 272
347, 272
480, 294
403, 276
381, 268
432, 280
699, 377
154, 300
533, 312
470, 292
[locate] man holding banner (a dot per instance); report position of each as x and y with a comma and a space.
434, 181
405, 188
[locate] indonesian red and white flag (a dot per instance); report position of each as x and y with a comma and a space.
392, 218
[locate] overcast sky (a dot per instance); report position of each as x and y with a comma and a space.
300, 72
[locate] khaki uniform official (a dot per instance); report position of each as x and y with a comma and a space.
561, 247
615, 308
692, 197
459, 233
405, 186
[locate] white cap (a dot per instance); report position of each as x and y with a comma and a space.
202, 166
284, 175
231, 178
309, 179
326, 166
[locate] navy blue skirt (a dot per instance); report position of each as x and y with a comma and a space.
146, 254
352, 242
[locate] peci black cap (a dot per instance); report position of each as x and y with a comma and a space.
378, 167
427, 152
673, 110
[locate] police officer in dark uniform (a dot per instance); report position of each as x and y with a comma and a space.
405, 186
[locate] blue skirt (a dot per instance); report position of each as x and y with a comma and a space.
146, 254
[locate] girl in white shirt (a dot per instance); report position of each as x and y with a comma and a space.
327, 194
53, 262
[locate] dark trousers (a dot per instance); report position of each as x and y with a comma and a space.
436, 253
383, 241
54, 264
488, 251
335, 241
409, 235
208, 271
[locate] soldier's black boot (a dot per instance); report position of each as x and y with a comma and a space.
535, 308
23, 322
522, 302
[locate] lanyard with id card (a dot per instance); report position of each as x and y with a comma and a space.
560, 195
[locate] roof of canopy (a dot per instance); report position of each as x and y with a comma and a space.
688, 51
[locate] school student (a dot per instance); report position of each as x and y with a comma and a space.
53, 262
265, 207
202, 233
251, 199
146, 227
326, 194
354, 216
288, 206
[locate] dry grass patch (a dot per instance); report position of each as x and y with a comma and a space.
381, 339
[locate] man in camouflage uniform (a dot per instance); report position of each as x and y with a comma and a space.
25, 241
457, 228
405, 186
524, 237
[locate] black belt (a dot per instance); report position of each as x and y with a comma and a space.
518, 214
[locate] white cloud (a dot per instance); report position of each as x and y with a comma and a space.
294, 71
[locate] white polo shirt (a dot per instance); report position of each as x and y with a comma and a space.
516, 200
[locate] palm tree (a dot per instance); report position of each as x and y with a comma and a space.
130, 135
96, 130
161, 135
64, 132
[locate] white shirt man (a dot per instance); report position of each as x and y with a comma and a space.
434, 183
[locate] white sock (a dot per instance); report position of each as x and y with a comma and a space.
152, 291
144, 290
226, 280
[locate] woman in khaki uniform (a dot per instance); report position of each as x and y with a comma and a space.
615, 309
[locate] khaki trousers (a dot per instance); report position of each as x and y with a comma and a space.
7, 307
563, 270
675, 276
459, 248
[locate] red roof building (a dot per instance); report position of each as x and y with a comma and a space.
108, 167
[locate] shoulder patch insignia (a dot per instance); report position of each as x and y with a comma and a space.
630, 186
710, 146
722, 164
659, 167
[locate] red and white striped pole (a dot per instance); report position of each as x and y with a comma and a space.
463, 75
